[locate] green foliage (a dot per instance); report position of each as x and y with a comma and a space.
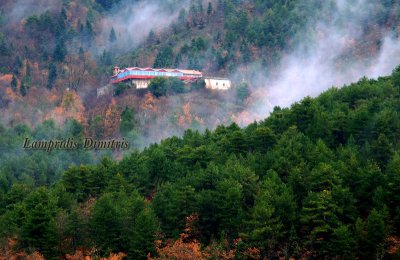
60, 51
127, 121
318, 179
18, 65
120, 88
107, 4
22, 88
209, 8
343, 243
242, 92
176, 85
158, 86
113, 36
318, 218
123, 223
14, 83
164, 58
172, 205
199, 84
52, 77
272, 215
376, 232
4, 49
39, 229
396, 77
97, 126
106, 58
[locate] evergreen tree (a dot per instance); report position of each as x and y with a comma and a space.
396, 77
28, 75
39, 229
18, 65
158, 86
22, 89
89, 33
106, 223
52, 76
151, 38
376, 233
76, 229
318, 219
209, 9
393, 184
272, 214
142, 234
106, 58
127, 121
14, 83
60, 51
113, 36
342, 243
61, 27
164, 58
175, 85
382, 150
242, 92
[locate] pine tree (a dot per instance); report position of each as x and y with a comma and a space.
18, 65
60, 51
376, 232
89, 29
113, 36
14, 83
22, 88
342, 243
52, 76
142, 234
318, 218
39, 229
396, 77
106, 58
242, 92
164, 58
127, 121
393, 180
209, 9
28, 75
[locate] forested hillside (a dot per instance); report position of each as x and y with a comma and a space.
49, 47
294, 161
317, 180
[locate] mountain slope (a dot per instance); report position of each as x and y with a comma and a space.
318, 179
49, 46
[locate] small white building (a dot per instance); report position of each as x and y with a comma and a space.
217, 83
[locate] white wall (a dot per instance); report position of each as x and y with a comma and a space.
220, 84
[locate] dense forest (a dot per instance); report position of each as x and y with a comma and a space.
317, 180
293, 162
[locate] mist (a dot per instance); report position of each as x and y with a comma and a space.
317, 63
132, 23
333, 50
17, 10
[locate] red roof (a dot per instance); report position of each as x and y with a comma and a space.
163, 70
